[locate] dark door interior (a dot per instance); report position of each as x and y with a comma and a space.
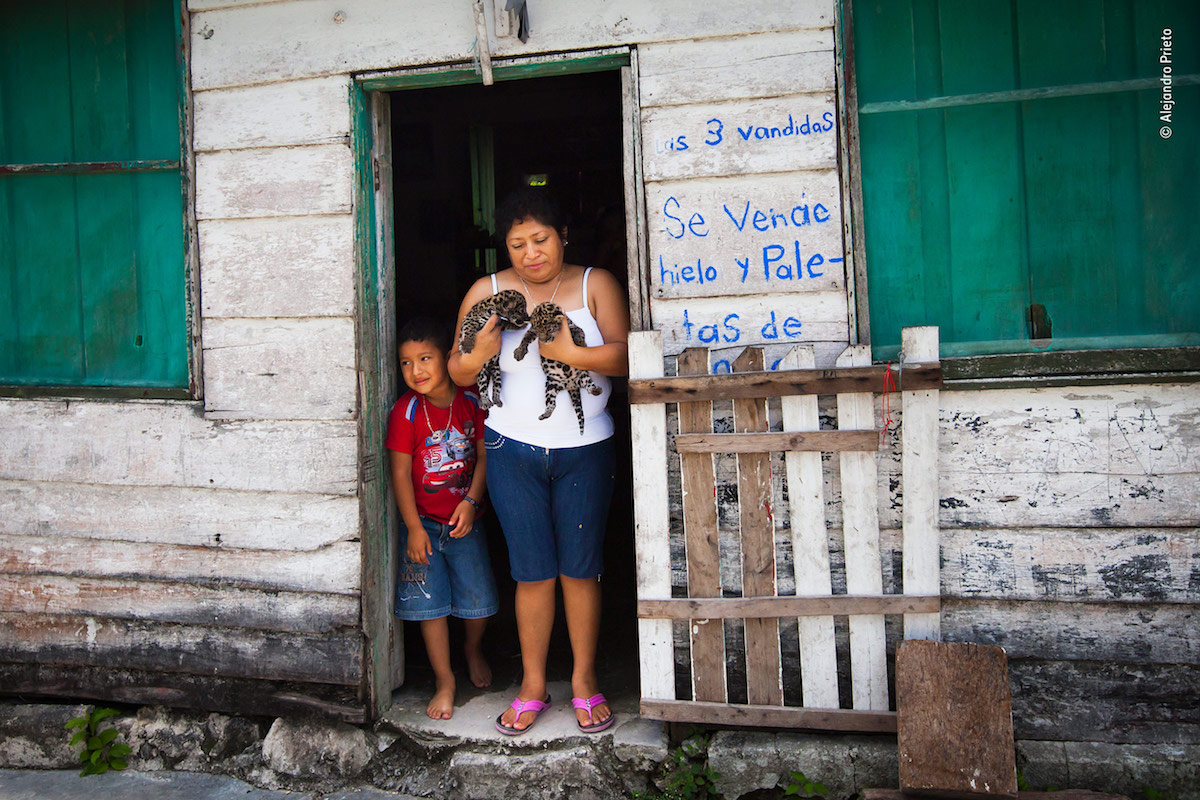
456, 151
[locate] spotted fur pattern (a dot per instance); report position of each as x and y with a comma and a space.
509, 306
545, 323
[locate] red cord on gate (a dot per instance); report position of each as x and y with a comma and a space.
889, 386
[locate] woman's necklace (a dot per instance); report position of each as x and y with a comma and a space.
529, 294
449, 415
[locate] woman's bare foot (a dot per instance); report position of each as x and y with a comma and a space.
442, 704
478, 668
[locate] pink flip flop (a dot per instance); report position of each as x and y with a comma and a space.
587, 705
521, 706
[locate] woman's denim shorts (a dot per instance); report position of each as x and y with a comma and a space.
457, 581
552, 504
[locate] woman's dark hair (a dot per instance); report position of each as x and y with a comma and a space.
528, 203
426, 329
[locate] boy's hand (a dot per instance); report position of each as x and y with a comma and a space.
463, 519
419, 548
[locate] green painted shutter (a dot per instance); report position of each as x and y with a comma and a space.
1017, 192
92, 236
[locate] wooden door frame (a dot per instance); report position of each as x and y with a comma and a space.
375, 318
372, 285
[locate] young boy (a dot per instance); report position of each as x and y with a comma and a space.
435, 439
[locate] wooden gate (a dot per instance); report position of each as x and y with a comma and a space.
706, 606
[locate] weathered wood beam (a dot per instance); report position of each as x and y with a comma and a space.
919, 465
482, 51
334, 569
208, 692
810, 543
651, 518
1100, 701
768, 607
176, 515
700, 529
1022, 95
157, 647
860, 535
183, 602
1062, 362
1102, 565
90, 167
757, 536
636, 249
88, 442
783, 383
816, 441
1130, 633
832, 719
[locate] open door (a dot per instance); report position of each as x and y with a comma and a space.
445, 150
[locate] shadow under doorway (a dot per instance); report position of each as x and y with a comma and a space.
456, 152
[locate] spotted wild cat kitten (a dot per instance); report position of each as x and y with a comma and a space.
545, 323
509, 306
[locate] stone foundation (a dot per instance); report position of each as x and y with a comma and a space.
317, 755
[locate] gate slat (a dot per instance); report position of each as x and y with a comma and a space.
788, 606
700, 534
860, 526
810, 543
764, 683
812, 442
651, 518
919, 471
829, 719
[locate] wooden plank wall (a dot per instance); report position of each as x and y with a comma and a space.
1074, 508
742, 194
250, 494
208, 553
1069, 536
1069, 524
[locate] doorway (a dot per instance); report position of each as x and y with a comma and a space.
455, 152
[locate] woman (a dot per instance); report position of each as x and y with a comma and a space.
549, 483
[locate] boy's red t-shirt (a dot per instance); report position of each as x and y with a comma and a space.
443, 459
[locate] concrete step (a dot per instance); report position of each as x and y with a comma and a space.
554, 759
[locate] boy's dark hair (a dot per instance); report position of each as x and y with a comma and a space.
524, 204
426, 329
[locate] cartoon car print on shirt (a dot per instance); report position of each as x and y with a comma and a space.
446, 465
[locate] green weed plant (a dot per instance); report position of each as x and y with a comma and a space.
690, 777
801, 786
101, 750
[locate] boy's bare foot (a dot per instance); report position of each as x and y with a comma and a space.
442, 704
478, 668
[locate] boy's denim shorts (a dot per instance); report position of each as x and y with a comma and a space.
457, 581
552, 504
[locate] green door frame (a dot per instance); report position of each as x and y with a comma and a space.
376, 371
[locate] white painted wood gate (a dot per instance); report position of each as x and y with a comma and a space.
856, 441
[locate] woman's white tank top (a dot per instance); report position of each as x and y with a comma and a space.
523, 392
